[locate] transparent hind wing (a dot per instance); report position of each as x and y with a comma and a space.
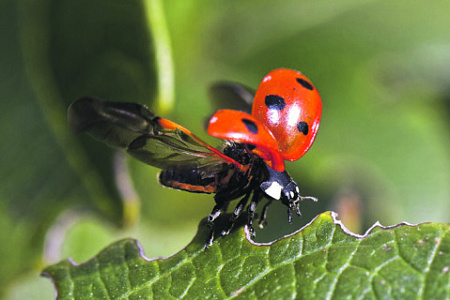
231, 95
134, 128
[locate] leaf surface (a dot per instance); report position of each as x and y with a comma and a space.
321, 261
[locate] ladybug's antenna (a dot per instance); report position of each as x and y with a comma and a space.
309, 198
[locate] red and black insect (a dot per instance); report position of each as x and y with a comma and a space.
250, 165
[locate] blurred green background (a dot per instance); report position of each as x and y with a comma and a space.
382, 152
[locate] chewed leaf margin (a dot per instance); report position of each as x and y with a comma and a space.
321, 260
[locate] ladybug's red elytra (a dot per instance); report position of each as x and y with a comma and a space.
290, 107
243, 128
281, 125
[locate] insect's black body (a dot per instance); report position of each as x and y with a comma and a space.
186, 162
227, 181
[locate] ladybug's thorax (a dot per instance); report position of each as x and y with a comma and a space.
236, 181
280, 186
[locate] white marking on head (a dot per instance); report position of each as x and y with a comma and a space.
297, 190
291, 194
274, 190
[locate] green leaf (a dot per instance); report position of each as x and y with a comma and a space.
321, 261
71, 49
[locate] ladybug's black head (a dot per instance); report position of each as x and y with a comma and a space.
291, 191
280, 186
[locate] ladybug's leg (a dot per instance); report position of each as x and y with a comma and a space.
257, 195
292, 205
219, 208
262, 219
237, 212
295, 205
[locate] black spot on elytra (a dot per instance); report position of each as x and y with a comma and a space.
305, 84
275, 102
251, 126
303, 127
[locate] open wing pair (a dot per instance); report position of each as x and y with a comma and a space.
160, 142
147, 137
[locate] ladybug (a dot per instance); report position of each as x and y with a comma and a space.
278, 123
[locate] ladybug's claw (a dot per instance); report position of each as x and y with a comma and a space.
210, 239
251, 212
227, 230
262, 223
216, 212
251, 230
297, 209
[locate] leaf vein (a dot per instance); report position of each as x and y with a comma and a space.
191, 283
222, 263
100, 271
332, 288
427, 268
412, 267
294, 283
129, 289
